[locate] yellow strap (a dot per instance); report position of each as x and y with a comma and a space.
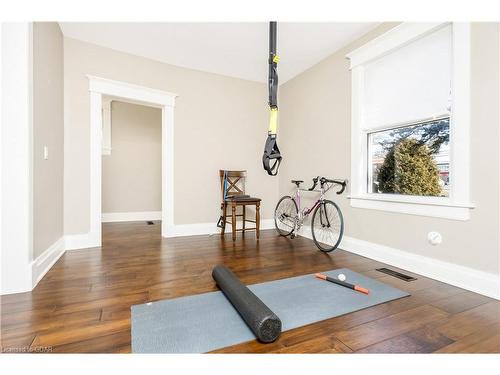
273, 121
276, 58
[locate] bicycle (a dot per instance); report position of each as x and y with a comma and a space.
327, 224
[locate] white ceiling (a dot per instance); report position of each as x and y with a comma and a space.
232, 49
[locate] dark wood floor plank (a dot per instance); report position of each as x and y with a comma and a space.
102, 344
54, 321
460, 302
83, 303
422, 340
323, 344
382, 329
69, 335
470, 321
102, 302
486, 340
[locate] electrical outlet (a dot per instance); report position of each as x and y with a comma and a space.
45, 153
434, 238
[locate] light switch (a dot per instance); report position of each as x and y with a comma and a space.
45, 152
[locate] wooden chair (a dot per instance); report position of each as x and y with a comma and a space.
232, 185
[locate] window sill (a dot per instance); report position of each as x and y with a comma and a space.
421, 206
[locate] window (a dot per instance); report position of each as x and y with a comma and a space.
410, 160
410, 121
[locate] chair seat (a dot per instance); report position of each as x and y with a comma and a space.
242, 198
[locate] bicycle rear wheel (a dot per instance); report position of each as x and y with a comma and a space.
285, 214
327, 226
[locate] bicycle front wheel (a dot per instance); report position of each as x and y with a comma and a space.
285, 215
327, 226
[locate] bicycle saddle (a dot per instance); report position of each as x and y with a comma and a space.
297, 182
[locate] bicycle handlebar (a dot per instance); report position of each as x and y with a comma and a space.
324, 180
315, 182
342, 183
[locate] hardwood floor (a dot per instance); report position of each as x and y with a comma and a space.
83, 303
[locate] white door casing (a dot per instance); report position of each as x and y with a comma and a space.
142, 95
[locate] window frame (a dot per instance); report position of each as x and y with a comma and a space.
457, 205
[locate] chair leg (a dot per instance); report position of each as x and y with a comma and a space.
244, 218
224, 216
233, 224
257, 220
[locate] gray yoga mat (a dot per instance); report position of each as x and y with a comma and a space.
205, 322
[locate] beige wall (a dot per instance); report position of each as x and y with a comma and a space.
48, 130
220, 122
131, 175
315, 140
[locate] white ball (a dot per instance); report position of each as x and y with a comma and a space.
341, 277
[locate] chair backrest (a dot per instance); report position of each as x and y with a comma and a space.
232, 183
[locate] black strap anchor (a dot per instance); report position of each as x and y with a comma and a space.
271, 159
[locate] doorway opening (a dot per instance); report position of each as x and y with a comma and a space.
131, 161
103, 89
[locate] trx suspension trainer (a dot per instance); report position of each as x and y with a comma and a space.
271, 159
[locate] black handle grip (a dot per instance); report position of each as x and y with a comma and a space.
315, 182
343, 183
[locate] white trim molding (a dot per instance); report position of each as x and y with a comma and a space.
106, 125
138, 94
422, 206
393, 39
44, 262
16, 247
458, 205
95, 168
79, 241
480, 282
476, 281
83, 241
115, 217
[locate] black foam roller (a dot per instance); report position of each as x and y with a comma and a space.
262, 321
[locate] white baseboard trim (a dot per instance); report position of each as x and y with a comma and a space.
80, 241
83, 241
44, 262
480, 282
114, 217
476, 281
181, 230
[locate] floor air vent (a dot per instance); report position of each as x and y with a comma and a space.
399, 275
150, 223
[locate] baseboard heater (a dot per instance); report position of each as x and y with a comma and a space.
399, 275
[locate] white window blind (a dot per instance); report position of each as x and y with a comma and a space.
409, 84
